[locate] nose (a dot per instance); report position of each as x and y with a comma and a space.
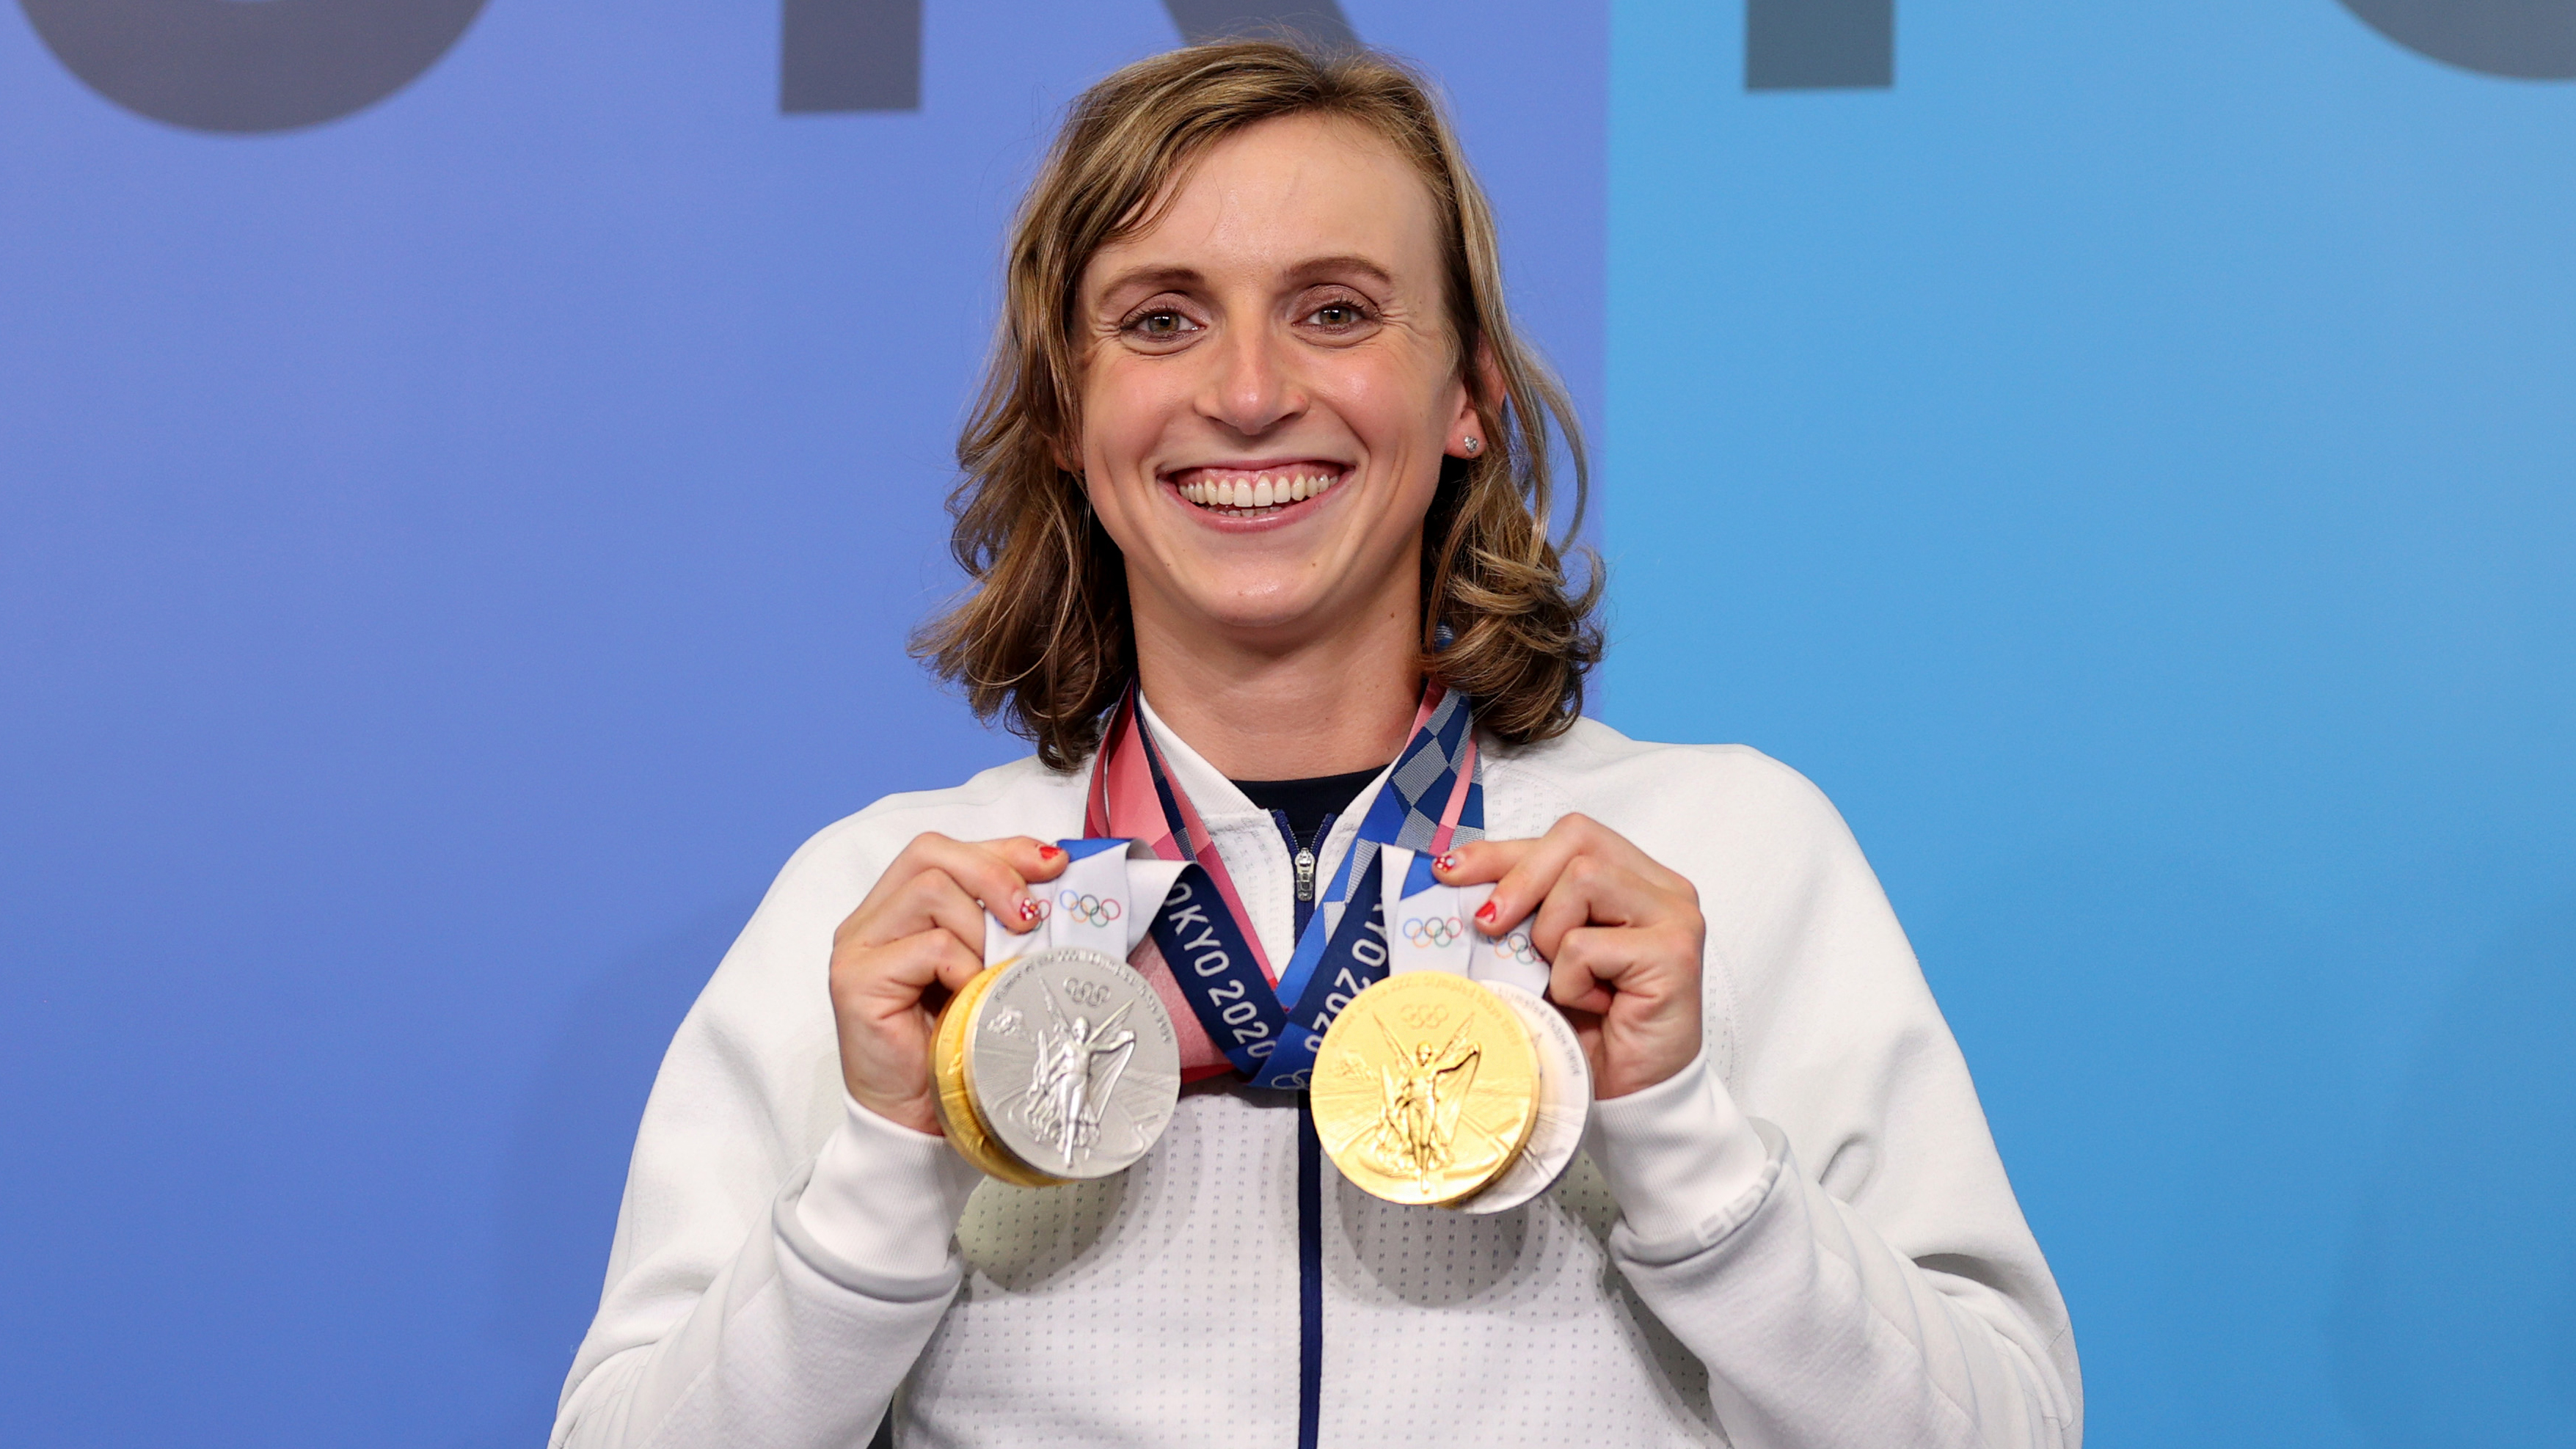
1253, 387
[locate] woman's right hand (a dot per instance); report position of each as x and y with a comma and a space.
923, 923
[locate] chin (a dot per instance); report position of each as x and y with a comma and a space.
1265, 611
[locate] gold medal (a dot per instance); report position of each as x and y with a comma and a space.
954, 1099
1426, 1088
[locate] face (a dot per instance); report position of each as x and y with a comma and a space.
1269, 384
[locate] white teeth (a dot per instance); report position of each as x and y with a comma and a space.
1264, 492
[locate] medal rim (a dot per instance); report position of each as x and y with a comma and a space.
1498, 1196
953, 1095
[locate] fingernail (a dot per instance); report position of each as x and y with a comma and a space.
1028, 911
1485, 913
1048, 852
1446, 863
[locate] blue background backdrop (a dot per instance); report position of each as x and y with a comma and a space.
450, 555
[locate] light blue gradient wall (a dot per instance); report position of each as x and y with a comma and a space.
2131, 465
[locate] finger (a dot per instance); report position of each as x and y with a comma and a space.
889, 980
935, 901
1525, 871
895, 907
1592, 891
1572, 982
1029, 857
1479, 861
1593, 964
1518, 890
923, 899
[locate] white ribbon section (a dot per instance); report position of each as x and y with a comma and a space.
1105, 901
1434, 929
1425, 931
1509, 959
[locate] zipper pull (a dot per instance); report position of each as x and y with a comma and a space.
1305, 874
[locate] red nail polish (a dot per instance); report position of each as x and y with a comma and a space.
1028, 912
1446, 863
1048, 852
1485, 913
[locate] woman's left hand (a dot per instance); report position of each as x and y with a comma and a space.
1622, 935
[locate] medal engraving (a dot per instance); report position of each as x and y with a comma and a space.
1073, 1061
1431, 1088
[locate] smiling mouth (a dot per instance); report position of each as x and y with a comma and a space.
1256, 493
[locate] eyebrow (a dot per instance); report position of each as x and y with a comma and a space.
1158, 277
1372, 270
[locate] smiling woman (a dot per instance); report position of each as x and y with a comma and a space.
1320, 304
1256, 512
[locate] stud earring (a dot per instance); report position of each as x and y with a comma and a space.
1473, 445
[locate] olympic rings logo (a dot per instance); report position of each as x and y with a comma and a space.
1090, 910
1432, 932
1517, 946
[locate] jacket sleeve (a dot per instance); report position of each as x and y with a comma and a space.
1815, 1208
738, 1312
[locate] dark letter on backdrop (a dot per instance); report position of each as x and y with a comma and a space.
226, 65
850, 55
2524, 39
865, 55
1811, 45
1317, 20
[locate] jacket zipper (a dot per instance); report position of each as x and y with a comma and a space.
1310, 1186
1301, 854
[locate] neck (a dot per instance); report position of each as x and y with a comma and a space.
1323, 706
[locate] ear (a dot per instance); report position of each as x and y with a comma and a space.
1068, 457
1480, 399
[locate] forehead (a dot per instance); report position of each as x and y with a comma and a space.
1275, 195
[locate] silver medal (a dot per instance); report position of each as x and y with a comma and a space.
1074, 1062
1565, 1103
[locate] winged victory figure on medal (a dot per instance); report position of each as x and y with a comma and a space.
1077, 1067
1426, 1089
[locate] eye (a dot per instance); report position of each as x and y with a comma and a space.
1158, 324
1341, 314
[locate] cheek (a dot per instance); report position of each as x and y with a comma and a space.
1393, 406
1126, 409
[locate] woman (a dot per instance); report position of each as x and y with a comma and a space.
1256, 499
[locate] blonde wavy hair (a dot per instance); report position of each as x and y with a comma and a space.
1042, 638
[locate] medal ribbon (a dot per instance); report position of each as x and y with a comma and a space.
1268, 1023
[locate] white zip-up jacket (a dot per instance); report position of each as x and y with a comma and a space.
1803, 1239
